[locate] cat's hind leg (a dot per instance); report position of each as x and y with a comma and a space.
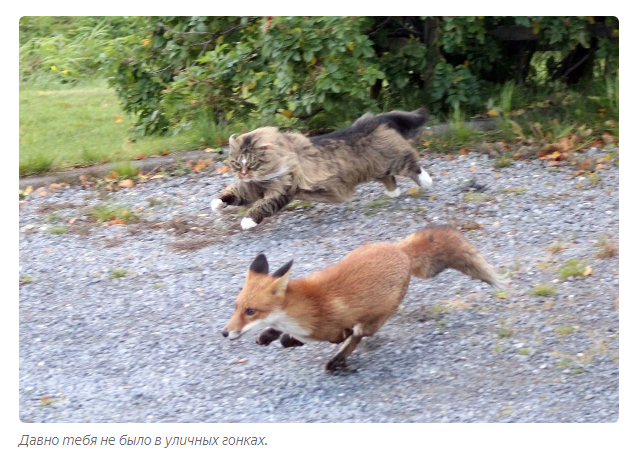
390, 186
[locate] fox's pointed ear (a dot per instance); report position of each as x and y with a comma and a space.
279, 287
283, 270
259, 264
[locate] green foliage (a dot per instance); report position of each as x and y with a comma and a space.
214, 73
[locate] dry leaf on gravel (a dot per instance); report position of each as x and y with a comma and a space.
128, 183
223, 169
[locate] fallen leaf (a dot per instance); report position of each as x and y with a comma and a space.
128, 183
553, 163
113, 175
28, 191
47, 249
473, 169
554, 156
42, 192
414, 192
117, 222
164, 152
464, 151
241, 361
73, 220
611, 123
23, 203
209, 149
109, 187
588, 271
138, 157
223, 169
29, 227
427, 143
608, 138
493, 113
496, 223
601, 166
201, 165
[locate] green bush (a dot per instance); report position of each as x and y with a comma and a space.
309, 72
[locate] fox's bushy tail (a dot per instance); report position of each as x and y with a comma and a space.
435, 249
408, 124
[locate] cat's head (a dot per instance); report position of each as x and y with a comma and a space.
253, 157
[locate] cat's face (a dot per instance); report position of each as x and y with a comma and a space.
251, 158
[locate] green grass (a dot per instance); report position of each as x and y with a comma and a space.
63, 126
571, 268
59, 230
503, 162
512, 190
24, 279
106, 213
505, 333
524, 351
118, 273
543, 290
475, 197
565, 330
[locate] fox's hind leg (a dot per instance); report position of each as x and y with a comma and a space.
390, 186
340, 359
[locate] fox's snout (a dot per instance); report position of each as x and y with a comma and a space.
231, 335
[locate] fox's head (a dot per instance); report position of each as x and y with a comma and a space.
261, 299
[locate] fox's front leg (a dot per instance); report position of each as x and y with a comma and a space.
267, 336
270, 205
228, 196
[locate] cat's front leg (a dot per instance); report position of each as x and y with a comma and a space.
266, 207
228, 196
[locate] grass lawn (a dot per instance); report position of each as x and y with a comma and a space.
70, 126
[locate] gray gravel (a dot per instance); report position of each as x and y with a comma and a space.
147, 347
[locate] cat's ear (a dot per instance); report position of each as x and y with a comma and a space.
259, 265
233, 142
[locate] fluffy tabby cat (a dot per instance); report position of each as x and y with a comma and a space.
273, 168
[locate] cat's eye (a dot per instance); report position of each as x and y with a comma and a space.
253, 164
235, 164
250, 312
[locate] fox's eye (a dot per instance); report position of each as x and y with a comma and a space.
250, 312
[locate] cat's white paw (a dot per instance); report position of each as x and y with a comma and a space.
395, 193
247, 223
217, 205
425, 179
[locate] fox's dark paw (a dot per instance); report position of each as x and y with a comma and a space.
266, 337
287, 341
335, 364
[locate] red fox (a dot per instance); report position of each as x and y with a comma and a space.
353, 298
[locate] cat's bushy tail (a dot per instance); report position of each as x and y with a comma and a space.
408, 124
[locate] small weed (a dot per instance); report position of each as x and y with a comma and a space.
158, 286
556, 248
498, 349
59, 230
379, 203
501, 294
608, 248
542, 265
301, 204
25, 279
543, 290
505, 333
440, 323
154, 201
503, 162
565, 330
109, 213
118, 273
524, 351
53, 218
564, 363
572, 268
512, 191
125, 170
437, 309
475, 197
577, 370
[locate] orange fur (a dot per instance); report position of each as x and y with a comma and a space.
353, 298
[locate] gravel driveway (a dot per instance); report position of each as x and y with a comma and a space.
121, 323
